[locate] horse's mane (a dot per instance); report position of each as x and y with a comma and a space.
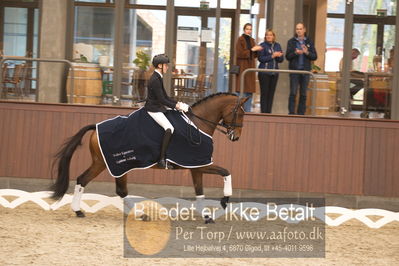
212, 96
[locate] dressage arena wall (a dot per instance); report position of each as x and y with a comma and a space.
278, 153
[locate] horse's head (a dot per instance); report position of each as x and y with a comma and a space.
224, 107
232, 118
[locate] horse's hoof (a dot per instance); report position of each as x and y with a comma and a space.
209, 220
145, 218
80, 214
224, 201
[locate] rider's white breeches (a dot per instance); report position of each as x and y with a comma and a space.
161, 119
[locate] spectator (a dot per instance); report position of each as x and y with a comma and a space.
356, 77
300, 51
246, 52
391, 58
269, 58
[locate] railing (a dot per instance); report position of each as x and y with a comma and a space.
19, 58
313, 107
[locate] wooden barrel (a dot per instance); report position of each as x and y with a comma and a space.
87, 82
324, 96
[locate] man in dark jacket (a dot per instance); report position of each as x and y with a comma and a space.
300, 53
158, 101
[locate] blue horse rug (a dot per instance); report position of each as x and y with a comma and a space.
134, 142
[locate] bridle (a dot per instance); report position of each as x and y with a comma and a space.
230, 127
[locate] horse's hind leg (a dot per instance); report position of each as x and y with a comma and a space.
94, 170
121, 191
121, 186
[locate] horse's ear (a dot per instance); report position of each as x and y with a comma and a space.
243, 100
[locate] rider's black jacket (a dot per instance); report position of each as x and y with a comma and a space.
157, 98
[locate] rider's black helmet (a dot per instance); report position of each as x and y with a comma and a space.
160, 59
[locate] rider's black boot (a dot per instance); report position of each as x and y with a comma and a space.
165, 144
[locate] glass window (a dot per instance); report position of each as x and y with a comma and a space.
187, 3
94, 34
144, 37
188, 57
96, 1
34, 72
224, 53
146, 2
334, 43
364, 7
389, 46
145, 31
15, 31
228, 4
194, 3
336, 6
36, 32
370, 7
195, 51
364, 39
246, 4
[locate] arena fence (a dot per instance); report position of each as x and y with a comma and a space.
322, 213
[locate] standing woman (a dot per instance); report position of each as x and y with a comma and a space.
269, 58
246, 52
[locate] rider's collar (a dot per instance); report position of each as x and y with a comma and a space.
156, 70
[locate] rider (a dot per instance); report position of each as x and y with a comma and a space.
158, 102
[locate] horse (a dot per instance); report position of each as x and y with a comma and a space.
214, 112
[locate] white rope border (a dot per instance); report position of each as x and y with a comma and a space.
117, 202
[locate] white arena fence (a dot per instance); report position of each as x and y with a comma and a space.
104, 201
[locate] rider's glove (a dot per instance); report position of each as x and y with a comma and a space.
183, 107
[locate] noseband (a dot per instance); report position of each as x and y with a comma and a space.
230, 127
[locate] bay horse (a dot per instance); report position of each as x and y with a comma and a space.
208, 114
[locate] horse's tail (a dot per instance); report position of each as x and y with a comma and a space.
63, 158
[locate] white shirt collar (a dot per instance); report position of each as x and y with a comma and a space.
156, 70
304, 39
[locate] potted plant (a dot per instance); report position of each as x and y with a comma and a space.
139, 80
315, 68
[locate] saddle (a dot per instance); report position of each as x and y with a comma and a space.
134, 141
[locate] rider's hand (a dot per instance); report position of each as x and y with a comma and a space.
184, 107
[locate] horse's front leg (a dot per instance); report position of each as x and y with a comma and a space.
227, 188
199, 193
216, 170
